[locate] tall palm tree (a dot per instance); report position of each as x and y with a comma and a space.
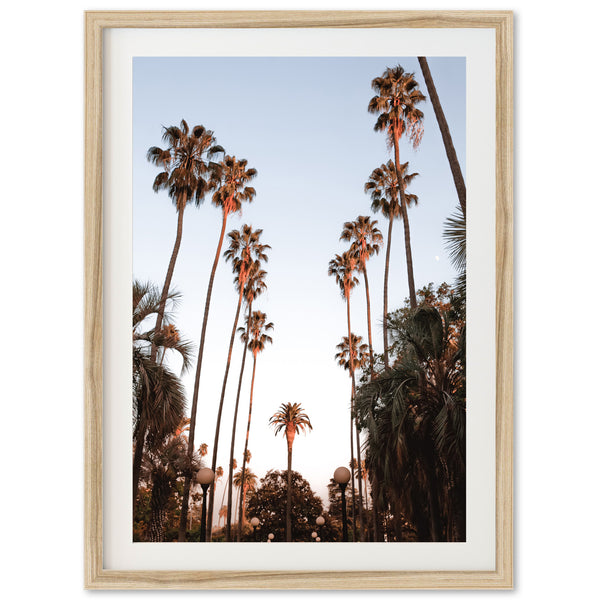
355, 351
232, 177
244, 484
396, 106
254, 287
366, 240
291, 419
186, 174
244, 251
258, 339
457, 175
158, 396
343, 267
383, 188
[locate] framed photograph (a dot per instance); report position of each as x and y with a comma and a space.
292, 221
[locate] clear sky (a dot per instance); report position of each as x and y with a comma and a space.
303, 124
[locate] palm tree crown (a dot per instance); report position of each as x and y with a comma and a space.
383, 188
342, 267
232, 176
395, 104
291, 418
244, 249
358, 351
365, 238
257, 338
186, 164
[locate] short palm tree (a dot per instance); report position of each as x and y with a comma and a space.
231, 180
245, 251
254, 287
366, 240
244, 484
257, 342
187, 166
158, 396
291, 419
343, 267
383, 188
416, 436
459, 182
162, 466
396, 106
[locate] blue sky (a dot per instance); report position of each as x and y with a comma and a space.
303, 124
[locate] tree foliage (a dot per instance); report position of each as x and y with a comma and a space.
268, 503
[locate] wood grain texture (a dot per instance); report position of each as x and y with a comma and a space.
95, 576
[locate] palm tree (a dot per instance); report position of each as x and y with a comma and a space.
222, 514
232, 177
383, 187
227, 482
455, 235
158, 396
365, 241
254, 287
258, 339
343, 268
163, 464
244, 251
291, 419
395, 104
244, 483
186, 174
459, 182
355, 351
415, 418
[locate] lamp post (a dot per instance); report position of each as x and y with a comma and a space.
342, 477
317, 539
320, 522
255, 522
204, 477
271, 536
314, 535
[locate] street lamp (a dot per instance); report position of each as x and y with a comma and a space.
320, 522
317, 539
204, 477
314, 535
271, 537
255, 522
342, 477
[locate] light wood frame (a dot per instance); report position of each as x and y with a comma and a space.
96, 577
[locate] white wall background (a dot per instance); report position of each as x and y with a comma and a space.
41, 300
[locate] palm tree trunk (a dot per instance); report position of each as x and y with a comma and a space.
459, 182
360, 495
288, 509
211, 502
234, 427
409, 264
375, 507
386, 361
352, 477
167, 284
369, 320
158, 509
246, 445
137, 459
188, 477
